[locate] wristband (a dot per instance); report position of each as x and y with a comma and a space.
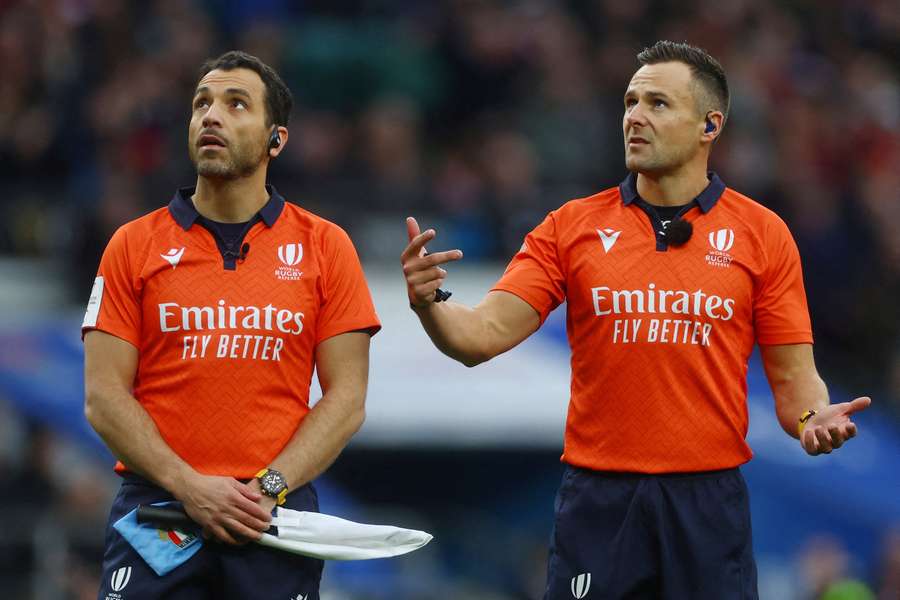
439, 296
803, 419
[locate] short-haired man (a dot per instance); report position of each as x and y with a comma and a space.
669, 278
206, 320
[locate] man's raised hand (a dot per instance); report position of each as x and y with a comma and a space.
422, 270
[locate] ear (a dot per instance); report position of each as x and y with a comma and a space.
283, 136
712, 125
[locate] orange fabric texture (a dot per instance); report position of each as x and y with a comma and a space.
660, 339
226, 356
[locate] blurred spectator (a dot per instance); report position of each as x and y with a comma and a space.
888, 577
825, 568
482, 115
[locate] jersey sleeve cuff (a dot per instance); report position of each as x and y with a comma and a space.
534, 300
122, 335
347, 325
781, 339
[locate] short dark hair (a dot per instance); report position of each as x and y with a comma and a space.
278, 97
706, 70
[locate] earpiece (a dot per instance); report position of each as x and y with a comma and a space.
274, 139
710, 126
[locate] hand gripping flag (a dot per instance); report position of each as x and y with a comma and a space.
165, 537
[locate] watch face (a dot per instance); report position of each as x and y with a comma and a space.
272, 483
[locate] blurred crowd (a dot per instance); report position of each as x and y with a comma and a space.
479, 115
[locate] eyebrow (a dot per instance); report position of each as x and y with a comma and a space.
651, 93
231, 91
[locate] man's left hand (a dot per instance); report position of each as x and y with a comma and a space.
829, 428
266, 502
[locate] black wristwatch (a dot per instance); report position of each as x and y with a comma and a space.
273, 484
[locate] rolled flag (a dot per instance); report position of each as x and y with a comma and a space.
332, 538
165, 537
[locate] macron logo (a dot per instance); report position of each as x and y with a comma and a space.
173, 256
608, 237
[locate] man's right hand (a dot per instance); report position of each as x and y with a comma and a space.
421, 269
225, 508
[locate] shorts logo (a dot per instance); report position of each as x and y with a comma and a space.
173, 256
581, 585
721, 242
120, 579
608, 237
290, 255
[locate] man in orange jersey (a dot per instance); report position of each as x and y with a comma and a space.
206, 320
669, 279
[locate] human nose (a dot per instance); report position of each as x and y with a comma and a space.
211, 116
634, 116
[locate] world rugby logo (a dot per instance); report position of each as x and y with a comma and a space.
581, 585
290, 254
120, 579
721, 240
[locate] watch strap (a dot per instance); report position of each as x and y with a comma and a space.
801, 423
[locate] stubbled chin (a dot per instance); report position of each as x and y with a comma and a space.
215, 168
632, 163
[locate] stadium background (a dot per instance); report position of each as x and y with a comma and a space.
478, 118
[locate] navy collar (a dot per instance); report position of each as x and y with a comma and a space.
706, 200
185, 213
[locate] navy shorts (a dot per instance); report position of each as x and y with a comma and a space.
660, 537
217, 571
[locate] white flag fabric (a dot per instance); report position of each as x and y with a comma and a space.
332, 538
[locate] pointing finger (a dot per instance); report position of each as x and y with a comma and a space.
439, 258
412, 228
859, 404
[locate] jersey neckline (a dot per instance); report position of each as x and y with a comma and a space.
185, 213
705, 200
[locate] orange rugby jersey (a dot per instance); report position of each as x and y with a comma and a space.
226, 354
661, 336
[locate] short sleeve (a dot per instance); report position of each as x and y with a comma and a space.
347, 304
780, 312
115, 306
536, 274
